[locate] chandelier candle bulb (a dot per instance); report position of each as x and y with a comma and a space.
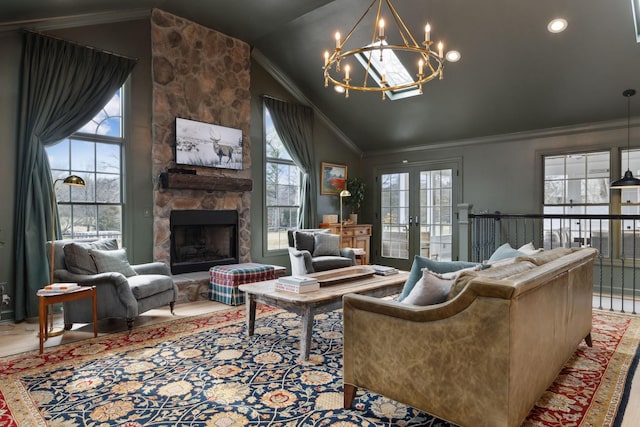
379, 57
347, 68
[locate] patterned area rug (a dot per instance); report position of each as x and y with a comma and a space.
204, 371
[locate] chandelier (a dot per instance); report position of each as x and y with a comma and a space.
383, 59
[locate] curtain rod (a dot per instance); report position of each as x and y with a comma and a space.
79, 44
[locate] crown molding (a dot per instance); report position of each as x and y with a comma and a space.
286, 82
512, 137
70, 21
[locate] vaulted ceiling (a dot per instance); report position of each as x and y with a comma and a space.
514, 75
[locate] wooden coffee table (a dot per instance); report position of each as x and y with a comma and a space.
325, 299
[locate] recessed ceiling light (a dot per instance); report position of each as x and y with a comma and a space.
453, 56
557, 25
338, 89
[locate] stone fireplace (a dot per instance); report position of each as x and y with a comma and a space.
203, 75
201, 239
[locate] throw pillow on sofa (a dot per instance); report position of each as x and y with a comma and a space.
433, 288
114, 261
305, 240
503, 252
77, 258
529, 249
419, 263
326, 244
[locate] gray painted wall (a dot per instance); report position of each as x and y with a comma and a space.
497, 174
328, 148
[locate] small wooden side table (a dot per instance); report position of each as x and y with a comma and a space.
47, 298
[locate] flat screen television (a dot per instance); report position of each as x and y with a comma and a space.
208, 145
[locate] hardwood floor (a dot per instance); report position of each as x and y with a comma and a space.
22, 337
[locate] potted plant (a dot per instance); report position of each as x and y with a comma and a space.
356, 187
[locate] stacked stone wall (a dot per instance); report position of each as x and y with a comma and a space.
203, 75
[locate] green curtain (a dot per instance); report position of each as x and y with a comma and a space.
294, 124
63, 86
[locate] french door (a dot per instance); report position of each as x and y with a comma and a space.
416, 214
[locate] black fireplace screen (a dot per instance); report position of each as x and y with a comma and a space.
203, 239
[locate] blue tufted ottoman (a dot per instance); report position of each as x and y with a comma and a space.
225, 279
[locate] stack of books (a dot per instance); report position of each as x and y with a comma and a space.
383, 270
56, 288
297, 284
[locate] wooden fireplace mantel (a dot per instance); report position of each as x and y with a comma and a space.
181, 181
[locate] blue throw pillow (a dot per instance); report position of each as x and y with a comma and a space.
439, 267
503, 252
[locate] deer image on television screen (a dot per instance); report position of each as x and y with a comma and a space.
221, 150
208, 145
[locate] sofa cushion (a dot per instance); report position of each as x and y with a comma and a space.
440, 267
503, 252
496, 272
326, 244
147, 285
323, 263
433, 288
77, 256
114, 261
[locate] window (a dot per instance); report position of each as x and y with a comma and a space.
579, 184
391, 68
282, 188
94, 153
576, 184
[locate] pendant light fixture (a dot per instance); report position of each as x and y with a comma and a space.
627, 181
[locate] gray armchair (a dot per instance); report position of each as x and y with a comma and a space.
313, 250
124, 291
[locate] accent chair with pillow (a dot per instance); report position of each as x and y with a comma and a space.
313, 250
124, 290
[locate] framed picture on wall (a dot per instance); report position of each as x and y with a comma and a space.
333, 178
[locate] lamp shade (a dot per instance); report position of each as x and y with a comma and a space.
627, 181
74, 180
345, 193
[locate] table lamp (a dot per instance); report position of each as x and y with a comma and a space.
343, 193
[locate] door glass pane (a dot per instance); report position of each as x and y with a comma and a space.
436, 213
394, 209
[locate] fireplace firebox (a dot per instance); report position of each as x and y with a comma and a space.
201, 239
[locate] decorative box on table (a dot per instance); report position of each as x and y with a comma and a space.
225, 279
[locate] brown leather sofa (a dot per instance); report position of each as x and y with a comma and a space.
483, 357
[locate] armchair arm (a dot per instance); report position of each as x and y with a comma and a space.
300, 262
102, 281
152, 268
114, 294
91, 279
348, 253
